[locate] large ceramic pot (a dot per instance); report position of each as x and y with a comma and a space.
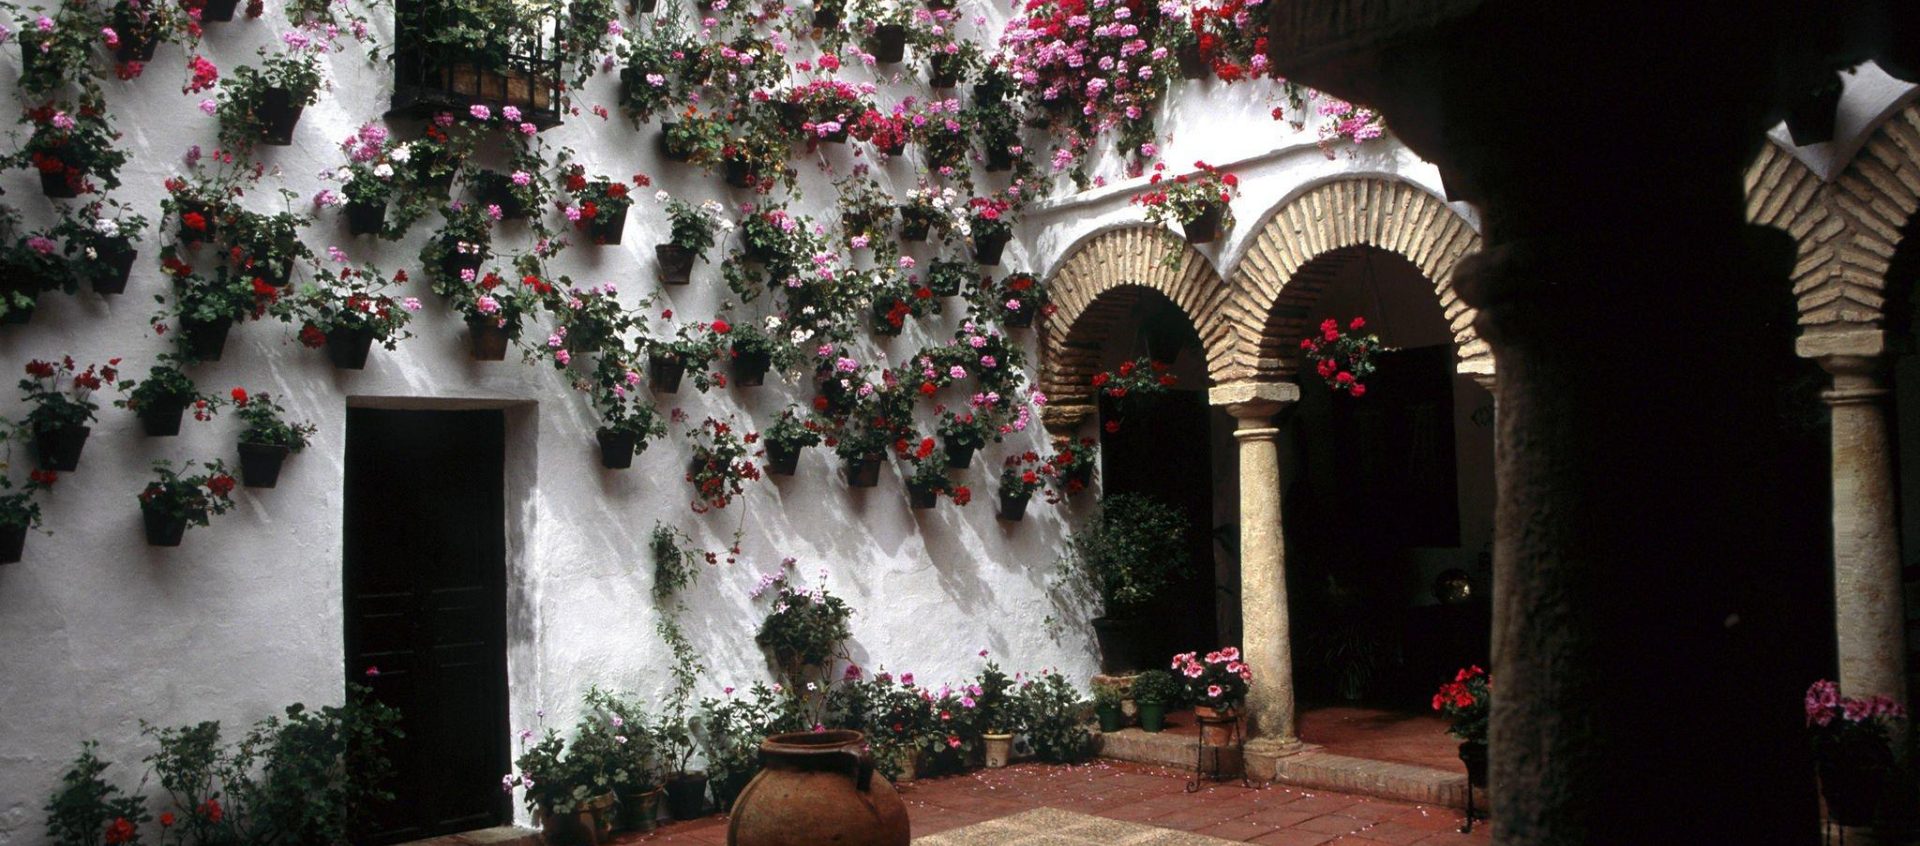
589, 824
1124, 643
1217, 727
999, 749
818, 787
1474, 755
687, 796
641, 811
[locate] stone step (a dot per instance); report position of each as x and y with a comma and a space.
1309, 767
502, 835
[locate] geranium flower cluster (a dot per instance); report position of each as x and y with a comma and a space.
1467, 700
1093, 66
1219, 681
1342, 357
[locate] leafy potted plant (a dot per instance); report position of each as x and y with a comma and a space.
1133, 387
928, 210
265, 246
756, 151
1342, 357
174, 500
694, 346
722, 463
888, 132
695, 138
267, 439
494, 310
1108, 701
753, 351
996, 714
601, 205
164, 396
962, 433
20, 512
1215, 686
990, 220
941, 129
947, 278
1468, 700
370, 178
794, 431
51, 46
346, 311
1019, 478
1017, 299
862, 446
70, 146
628, 421
99, 244
805, 630
205, 308
86, 809
653, 74
60, 414
558, 789
928, 478
515, 192
686, 788
1198, 201
1131, 550
695, 229
885, 24
1070, 470
1154, 691
30, 265
457, 250
632, 755
264, 105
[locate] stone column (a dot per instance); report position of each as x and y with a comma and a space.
1265, 640
1869, 611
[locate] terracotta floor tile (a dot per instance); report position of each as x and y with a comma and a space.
1333, 824
1292, 837
1241, 829
1281, 817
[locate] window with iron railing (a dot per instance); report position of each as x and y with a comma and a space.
451, 55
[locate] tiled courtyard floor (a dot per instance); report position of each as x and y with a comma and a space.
1153, 796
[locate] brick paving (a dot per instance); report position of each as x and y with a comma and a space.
1275, 815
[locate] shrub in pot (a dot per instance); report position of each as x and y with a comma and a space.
1154, 693
61, 396
628, 419
1130, 551
163, 397
19, 512
99, 244
176, 500
267, 439
695, 229
1108, 699
346, 311
262, 105
1053, 718
71, 146
630, 752
794, 431
568, 790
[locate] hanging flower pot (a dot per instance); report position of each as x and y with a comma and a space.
914, 228
219, 11
676, 264
608, 229
348, 347
30, 56
205, 340
826, 18
987, 248
671, 149
883, 324
55, 184
161, 418
922, 496
1018, 319
645, 7
895, 149
864, 471
135, 46
260, 464
278, 274
960, 455
782, 461
750, 368
944, 71
1192, 66
1013, 507
60, 448
116, 257
277, 115
1206, 227
19, 315
163, 529
738, 174
487, 339
889, 43
456, 263
999, 158
617, 448
493, 188
837, 136
664, 372
13, 541
366, 218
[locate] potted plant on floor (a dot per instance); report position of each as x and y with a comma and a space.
164, 396
557, 788
99, 244
1131, 550
996, 714
1154, 693
1342, 357
633, 758
1853, 751
1108, 705
1198, 201
794, 431
19, 512
1215, 686
267, 439
600, 205
686, 788
61, 394
695, 229
174, 501
1467, 701
71, 146
263, 105
628, 420
1019, 478
346, 311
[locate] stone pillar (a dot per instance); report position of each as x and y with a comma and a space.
1869, 611
1265, 641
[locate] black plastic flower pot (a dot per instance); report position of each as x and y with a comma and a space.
616, 448
21, 315
135, 47
780, 461
1192, 65
644, 7
922, 497
366, 218
260, 464
116, 257
1018, 319
999, 158
826, 18
884, 327
889, 43
13, 542
987, 248
277, 115
676, 264
687, 796
943, 73
277, 274
750, 368
1206, 227
895, 150
219, 11
60, 448
608, 229
57, 185
671, 150
838, 136
1013, 507
487, 339
664, 373
348, 347
864, 471
30, 58
914, 228
161, 418
205, 340
1811, 121
738, 174
457, 262
960, 456
496, 189
163, 529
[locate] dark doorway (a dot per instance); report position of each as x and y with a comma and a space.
1164, 451
425, 580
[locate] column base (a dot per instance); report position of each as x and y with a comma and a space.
1277, 747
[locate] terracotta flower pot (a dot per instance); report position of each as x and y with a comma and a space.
116, 265
999, 749
821, 783
607, 230
162, 529
687, 796
205, 341
277, 115
1153, 716
1217, 728
780, 461
488, 339
60, 448
864, 471
161, 418
366, 218
13, 541
1013, 508
616, 448
590, 823
664, 373
260, 464
1205, 228
348, 348
676, 264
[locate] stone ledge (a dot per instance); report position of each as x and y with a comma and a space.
504, 835
1309, 767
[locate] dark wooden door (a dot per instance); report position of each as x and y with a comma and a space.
1164, 451
426, 604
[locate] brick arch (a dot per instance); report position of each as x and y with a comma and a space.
1098, 281
1876, 197
1302, 245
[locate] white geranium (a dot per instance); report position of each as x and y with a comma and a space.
383, 170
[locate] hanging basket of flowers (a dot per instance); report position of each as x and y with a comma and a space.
1342, 357
175, 501
1199, 201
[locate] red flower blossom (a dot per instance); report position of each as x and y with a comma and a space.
121, 830
721, 327
194, 221
239, 396
312, 337
220, 485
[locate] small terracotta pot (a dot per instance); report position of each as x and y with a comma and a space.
1217, 728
